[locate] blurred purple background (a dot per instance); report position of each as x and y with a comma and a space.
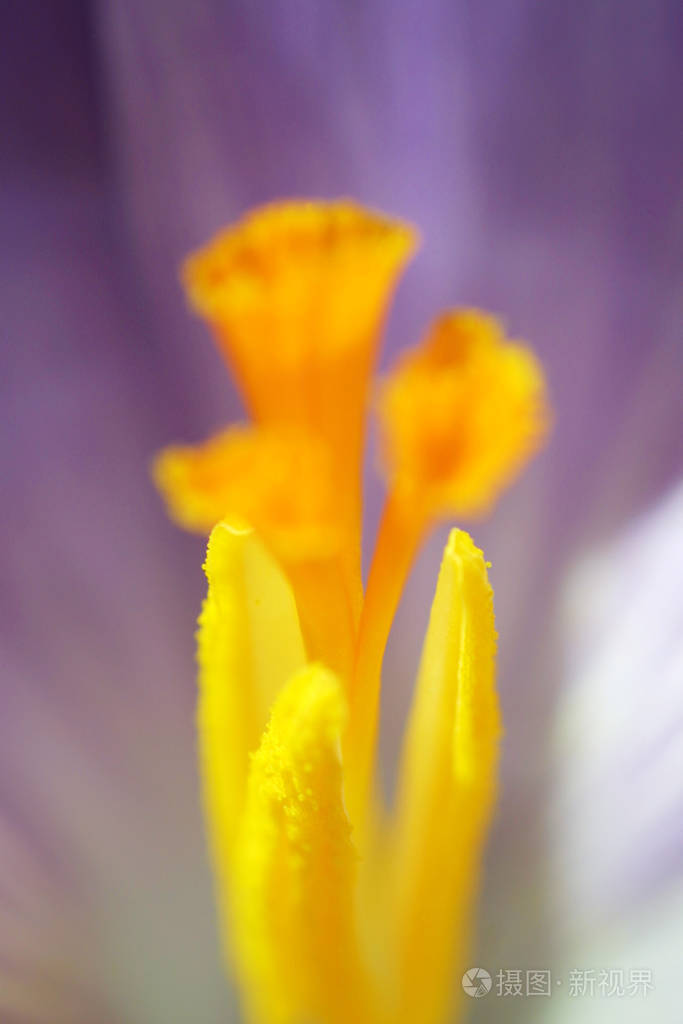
537, 146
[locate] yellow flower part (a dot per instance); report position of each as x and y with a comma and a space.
282, 483
248, 472
295, 872
249, 639
296, 295
283, 844
461, 414
447, 785
333, 908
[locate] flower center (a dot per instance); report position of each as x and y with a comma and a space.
296, 294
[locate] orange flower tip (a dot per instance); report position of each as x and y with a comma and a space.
460, 416
278, 482
291, 256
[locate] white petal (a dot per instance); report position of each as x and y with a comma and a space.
615, 822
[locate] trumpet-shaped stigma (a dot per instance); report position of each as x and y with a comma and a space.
327, 267
280, 481
296, 294
461, 415
330, 911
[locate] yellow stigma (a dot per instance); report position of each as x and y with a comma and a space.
281, 482
295, 284
248, 473
332, 908
461, 415
296, 295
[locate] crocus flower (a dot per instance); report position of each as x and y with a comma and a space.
537, 145
334, 915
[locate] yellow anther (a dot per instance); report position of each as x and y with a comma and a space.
447, 785
295, 867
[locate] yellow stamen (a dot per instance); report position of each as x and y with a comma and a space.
280, 834
249, 644
296, 294
447, 786
294, 881
280, 482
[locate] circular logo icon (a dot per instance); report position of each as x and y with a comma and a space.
476, 982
